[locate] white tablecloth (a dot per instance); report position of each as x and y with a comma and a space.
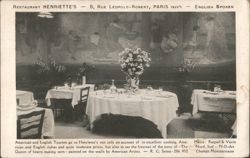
67, 93
48, 122
203, 100
160, 110
234, 128
26, 98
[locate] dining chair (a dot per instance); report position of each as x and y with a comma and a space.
80, 108
17, 101
62, 109
56, 106
29, 126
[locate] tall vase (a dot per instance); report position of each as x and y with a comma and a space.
133, 82
83, 80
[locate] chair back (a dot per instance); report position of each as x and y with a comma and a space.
29, 126
17, 101
84, 93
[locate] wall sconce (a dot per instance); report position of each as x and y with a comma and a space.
45, 15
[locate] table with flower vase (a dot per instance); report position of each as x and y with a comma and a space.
157, 106
27, 104
67, 93
208, 101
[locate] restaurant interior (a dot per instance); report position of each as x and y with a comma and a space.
123, 75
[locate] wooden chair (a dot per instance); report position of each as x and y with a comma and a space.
80, 108
62, 109
84, 93
17, 101
29, 126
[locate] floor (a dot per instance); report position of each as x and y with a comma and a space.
184, 126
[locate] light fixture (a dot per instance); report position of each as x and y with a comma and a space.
45, 15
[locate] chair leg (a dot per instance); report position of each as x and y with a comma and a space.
62, 112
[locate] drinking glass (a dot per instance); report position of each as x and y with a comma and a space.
149, 88
160, 90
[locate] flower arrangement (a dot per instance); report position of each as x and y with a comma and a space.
49, 67
187, 65
133, 61
83, 71
50, 70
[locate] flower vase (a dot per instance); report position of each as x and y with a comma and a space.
133, 83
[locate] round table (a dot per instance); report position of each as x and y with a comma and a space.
26, 98
158, 107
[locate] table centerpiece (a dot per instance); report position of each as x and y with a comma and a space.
133, 61
82, 72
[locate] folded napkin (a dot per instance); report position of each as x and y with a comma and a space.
25, 107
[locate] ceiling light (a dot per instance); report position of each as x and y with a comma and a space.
45, 15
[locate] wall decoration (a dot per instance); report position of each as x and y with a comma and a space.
210, 37
97, 38
169, 43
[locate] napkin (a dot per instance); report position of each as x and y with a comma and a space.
30, 106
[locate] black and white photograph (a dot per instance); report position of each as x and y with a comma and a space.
122, 75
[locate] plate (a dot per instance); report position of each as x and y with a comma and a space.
27, 107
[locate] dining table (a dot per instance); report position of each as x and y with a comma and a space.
24, 97
222, 102
157, 106
27, 104
66, 92
209, 101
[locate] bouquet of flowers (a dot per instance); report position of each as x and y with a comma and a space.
83, 70
50, 70
49, 67
187, 65
133, 61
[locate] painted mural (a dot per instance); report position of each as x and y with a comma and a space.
98, 38
209, 38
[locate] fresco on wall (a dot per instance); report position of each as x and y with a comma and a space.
165, 38
209, 38
98, 38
